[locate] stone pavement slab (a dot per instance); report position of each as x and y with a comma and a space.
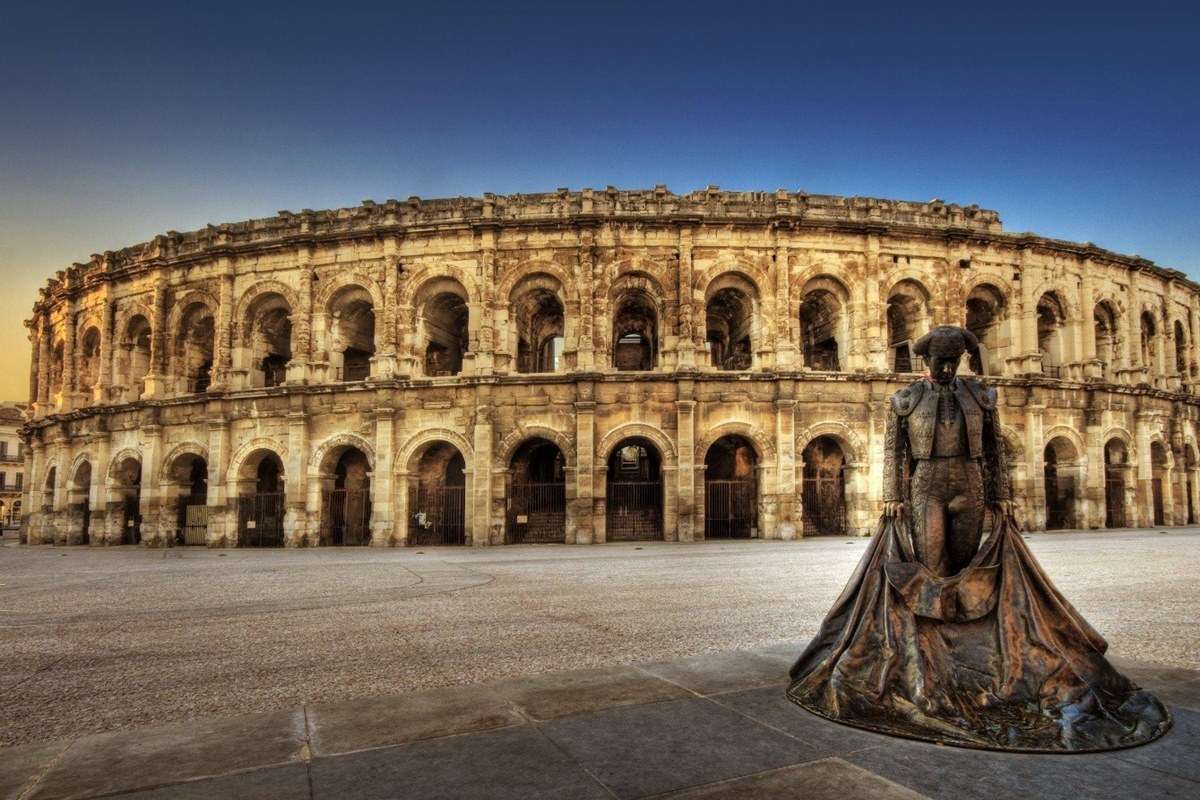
559, 694
713, 673
289, 782
21, 766
827, 779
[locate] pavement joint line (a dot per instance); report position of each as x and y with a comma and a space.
27, 792
773, 770
306, 754
538, 729
1152, 768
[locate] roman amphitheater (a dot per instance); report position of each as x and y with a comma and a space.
586, 366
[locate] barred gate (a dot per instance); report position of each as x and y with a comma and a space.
346, 517
260, 520
824, 498
730, 509
436, 515
1114, 503
1060, 501
131, 520
1156, 489
537, 513
193, 519
634, 511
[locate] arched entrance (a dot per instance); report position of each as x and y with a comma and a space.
824, 492
537, 494
437, 496
1158, 479
127, 481
1189, 459
79, 502
187, 490
1060, 473
1116, 464
346, 498
261, 501
731, 489
634, 493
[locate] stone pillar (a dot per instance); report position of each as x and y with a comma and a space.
585, 329
149, 504
583, 506
1092, 369
31, 496
383, 523
1144, 506
222, 508
384, 360
107, 349
297, 368
68, 366
45, 336
689, 525
785, 447
298, 530
481, 492
1029, 355
156, 378
860, 311
689, 328
787, 320
62, 457
99, 525
35, 352
223, 336
875, 348
1035, 446
1094, 505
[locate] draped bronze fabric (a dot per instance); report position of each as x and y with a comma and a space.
992, 657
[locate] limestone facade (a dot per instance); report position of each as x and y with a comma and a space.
631, 361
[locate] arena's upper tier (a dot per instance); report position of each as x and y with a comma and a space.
598, 281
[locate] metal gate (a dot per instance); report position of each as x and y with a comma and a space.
824, 499
131, 520
537, 513
86, 523
1060, 501
260, 520
634, 511
1156, 489
1114, 503
436, 515
346, 517
193, 520
730, 509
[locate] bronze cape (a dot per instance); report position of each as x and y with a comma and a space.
992, 657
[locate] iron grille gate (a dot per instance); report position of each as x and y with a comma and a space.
193, 519
730, 509
131, 520
1114, 502
824, 505
634, 511
346, 517
537, 513
260, 520
436, 515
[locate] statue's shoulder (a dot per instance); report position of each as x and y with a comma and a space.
985, 395
906, 399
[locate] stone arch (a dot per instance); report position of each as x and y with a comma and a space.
823, 322
516, 275
253, 294
1071, 435
1169, 454
1126, 438
417, 284
330, 286
989, 278
190, 298
77, 462
639, 280
850, 441
178, 451
126, 312
734, 265
120, 458
534, 320
521, 434
1062, 295
763, 445
1012, 440
249, 448
735, 324
418, 440
330, 447
643, 430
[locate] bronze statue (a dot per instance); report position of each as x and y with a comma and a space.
938, 638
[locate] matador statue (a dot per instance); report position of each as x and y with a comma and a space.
938, 638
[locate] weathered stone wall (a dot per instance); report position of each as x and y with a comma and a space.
1087, 347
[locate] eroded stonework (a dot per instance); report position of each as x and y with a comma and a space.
585, 366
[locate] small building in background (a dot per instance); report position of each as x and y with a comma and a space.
12, 464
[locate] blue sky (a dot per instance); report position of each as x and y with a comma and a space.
122, 120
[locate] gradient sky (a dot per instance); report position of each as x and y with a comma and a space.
120, 120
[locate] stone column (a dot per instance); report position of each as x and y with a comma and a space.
222, 508
585, 329
1144, 507
785, 448
156, 378
785, 325
45, 336
149, 503
298, 530
98, 525
297, 368
383, 524
1092, 368
31, 495
689, 327
1094, 507
690, 516
107, 349
861, 309
34, 348
223, 338
481, 492
1035, 447
384, 360
1030, 354
583, 506
68, 366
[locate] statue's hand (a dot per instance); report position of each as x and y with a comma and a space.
893, 508
1007, 508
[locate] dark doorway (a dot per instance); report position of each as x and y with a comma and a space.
437, 497
537, 494
346, 506
824, 491
634, 495
261, 510
730, 489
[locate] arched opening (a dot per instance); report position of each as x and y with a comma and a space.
437, 496
79, 504
187, 480
351, 316
731, 489
1158, 479
48, 489
56, 373
268, 339
729, 308
907, 316
194, 348
1149, 343
261, 497
1105, 321
986, 313
443, 328
537, 494
538, 314
824, 491
89, 362
1189, 456
1051, 322
822, 325
346, 498
1180, 350
133, 358
1116, 466
635, 332
1063, 482
634, 493
127, 485
14, 516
